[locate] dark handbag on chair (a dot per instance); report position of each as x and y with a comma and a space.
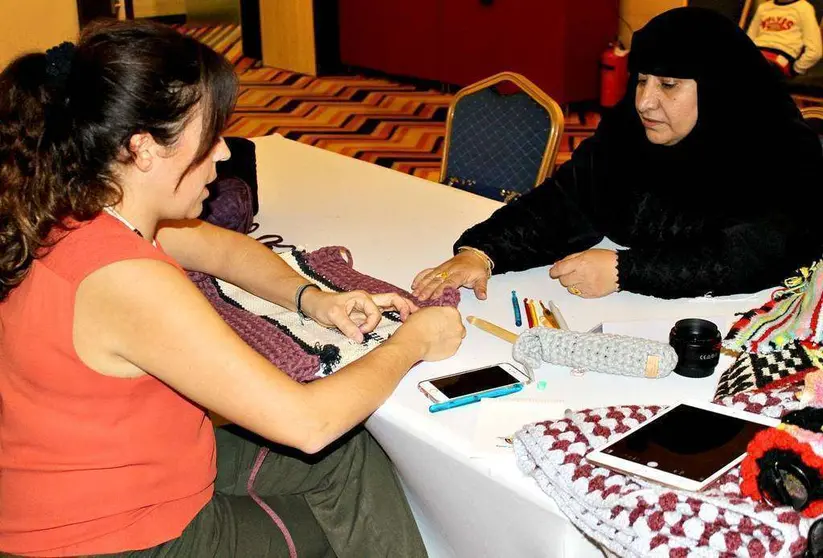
229, 205
233, 201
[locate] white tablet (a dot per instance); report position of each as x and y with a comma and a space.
687, 446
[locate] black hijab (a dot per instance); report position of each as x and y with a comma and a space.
750, 138
729, 208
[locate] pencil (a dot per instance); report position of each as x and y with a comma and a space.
533, 310
495, 330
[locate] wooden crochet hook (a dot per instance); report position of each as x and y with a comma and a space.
495, 330
548, 320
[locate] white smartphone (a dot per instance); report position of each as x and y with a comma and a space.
687, 446
471, 382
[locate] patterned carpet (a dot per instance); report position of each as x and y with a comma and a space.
393, 125
390, 124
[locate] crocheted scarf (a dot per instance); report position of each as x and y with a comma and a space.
304, 349
792, 315
631, 517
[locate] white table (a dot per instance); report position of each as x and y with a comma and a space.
395, 225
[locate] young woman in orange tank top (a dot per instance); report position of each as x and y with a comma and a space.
109, 356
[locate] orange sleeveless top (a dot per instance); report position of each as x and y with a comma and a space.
89, 464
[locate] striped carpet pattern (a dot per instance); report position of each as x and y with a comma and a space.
394, 125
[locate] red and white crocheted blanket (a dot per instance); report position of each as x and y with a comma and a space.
631, 517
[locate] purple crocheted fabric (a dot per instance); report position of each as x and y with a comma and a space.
274, 340
260, 334
335, 264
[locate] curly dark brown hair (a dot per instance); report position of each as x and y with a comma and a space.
59, 138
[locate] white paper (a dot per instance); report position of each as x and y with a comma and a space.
499, 419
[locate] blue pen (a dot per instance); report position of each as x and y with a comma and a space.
518, 320
466, 400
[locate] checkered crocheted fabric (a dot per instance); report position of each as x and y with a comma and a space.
752, 370
302, 348
630, 517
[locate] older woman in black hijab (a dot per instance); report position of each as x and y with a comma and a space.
705, 172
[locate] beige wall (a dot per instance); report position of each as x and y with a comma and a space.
635, 14
152, 8
28, 25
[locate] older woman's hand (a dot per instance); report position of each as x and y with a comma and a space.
590, 274
466, 269
355, 312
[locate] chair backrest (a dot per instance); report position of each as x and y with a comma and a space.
814, 117
501, 145
736, 10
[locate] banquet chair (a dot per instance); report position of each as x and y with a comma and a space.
814, 117
501, 144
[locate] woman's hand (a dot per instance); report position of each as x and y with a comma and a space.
589, 274
466, 269
436, 332
355, 312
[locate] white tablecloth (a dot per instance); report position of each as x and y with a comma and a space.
395, 225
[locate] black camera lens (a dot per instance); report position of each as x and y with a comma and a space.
785, 480
785, 485
697, 344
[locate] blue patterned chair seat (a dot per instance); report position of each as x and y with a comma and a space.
498, 144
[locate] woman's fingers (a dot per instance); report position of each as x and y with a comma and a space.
419, 277
438, 282
480, 288
393, 301
364, 303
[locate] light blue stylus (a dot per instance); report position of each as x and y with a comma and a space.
518, 320
468, 399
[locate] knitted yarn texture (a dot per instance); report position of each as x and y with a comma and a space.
300, 347
593, 352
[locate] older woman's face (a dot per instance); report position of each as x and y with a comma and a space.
667, 107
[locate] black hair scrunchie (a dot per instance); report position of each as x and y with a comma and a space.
58, 64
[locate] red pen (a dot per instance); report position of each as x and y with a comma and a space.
529, 313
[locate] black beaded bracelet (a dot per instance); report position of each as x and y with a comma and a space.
298, 298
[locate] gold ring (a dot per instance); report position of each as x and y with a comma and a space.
442, 275
575, 291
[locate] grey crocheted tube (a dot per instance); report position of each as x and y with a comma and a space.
593, 352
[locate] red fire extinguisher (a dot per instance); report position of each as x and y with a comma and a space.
614, 74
